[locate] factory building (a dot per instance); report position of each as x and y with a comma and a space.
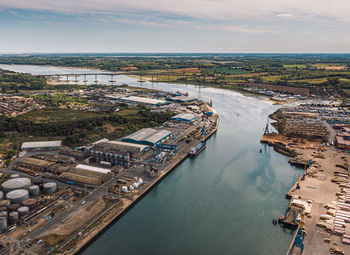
183, 99
143, 100
41, 146
85, 174
148, 136
115, 153
78, 155
55, 158
33, 164
183, 117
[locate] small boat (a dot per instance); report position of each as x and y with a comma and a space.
197, 149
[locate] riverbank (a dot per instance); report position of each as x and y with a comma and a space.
319, 189
115, 213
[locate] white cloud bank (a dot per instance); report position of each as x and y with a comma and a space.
230, 10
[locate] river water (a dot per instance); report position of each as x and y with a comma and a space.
221, 202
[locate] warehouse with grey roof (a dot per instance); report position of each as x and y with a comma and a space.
183, 117
148, 136
37, 146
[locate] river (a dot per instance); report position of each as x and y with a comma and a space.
221, 202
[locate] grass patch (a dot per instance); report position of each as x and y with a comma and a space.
56, 115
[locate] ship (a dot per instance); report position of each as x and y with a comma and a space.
197, 149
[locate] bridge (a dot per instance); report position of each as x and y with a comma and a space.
152, 76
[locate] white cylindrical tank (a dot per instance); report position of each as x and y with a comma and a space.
34, 190
23, 210
3, 224
13, 217
140, 181
131, 187
136, 185
16, 183
17, 196
124, 189
50, 188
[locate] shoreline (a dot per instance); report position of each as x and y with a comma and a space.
104, 226
318, 187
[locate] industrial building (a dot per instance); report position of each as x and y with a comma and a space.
183, 117
183, 99
33, 164
85, 174
55, 158
143, 100
115, 153
148, 136
78, 155
342, 140
37, 146
97, 170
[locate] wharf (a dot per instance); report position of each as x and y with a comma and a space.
299, 162
178, 158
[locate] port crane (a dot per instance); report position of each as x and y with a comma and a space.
298, 241
267, 131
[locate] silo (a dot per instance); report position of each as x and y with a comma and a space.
34, 190
31, 203
1, 195
14, 176
16, 183
50, 188
17, 196
3, 224
13, 217
5, 203
23, 210
13, 207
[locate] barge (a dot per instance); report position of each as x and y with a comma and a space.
197, 149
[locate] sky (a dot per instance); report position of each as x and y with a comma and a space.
135, 26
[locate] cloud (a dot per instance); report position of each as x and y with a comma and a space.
229, 10
285, 15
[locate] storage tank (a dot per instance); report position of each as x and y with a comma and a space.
14, 207
23, 210
125, 189
5, 203
13, 217
16, 183
50, 188
14, 176
17, 196
34, 190
3, 214
3, 224
1, 195
31, 203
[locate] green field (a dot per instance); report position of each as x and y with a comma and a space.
225, 70
56, 115
295, 66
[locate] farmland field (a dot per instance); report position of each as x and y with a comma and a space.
295, 66
225, 70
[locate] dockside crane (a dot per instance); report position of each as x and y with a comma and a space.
298, 241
